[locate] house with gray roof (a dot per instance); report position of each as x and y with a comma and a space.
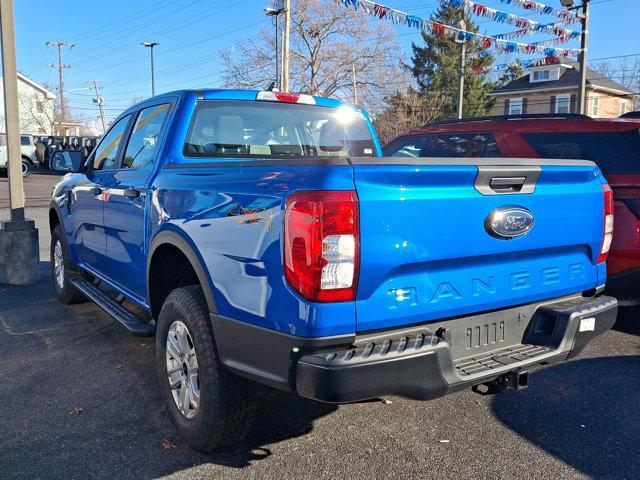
554, 89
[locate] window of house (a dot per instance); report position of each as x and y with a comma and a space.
623, 107
563, 103
39, 106
515, 106
541, 75
595, 106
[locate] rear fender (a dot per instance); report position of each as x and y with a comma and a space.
180, 241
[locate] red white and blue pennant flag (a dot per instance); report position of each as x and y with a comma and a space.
537, 7
483, 41
524, 24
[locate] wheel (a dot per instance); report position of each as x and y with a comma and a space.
62, 270
209, 406
26, 168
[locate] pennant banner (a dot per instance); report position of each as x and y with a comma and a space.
525, 64
504, 46
483, 41
524, 32
537, 7
524, 24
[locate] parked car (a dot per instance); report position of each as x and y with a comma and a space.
613, 144
266, 241
28, 153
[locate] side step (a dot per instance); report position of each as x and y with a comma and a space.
136, 325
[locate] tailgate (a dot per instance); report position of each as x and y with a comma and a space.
429, 251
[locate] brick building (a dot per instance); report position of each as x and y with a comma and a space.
554, 89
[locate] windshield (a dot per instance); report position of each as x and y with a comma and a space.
281, 130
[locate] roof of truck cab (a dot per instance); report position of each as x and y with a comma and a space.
234, 94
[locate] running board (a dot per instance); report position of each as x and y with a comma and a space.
136, 325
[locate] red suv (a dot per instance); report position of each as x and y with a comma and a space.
614, 144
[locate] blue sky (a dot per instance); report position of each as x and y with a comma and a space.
191, 33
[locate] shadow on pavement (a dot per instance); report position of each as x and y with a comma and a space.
80, 399
628, 320
585, 413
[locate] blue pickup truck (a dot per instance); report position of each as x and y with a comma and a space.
261, 237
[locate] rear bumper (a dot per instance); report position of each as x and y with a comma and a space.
421, 362
430, 362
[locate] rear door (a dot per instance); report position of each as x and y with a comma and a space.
428, 250
128, 198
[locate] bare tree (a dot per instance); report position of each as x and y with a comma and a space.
406, 111
328, 44
626, 72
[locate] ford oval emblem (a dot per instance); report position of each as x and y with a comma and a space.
509, 222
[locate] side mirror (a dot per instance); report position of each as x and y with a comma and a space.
66, 161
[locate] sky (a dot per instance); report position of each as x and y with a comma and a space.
191, 33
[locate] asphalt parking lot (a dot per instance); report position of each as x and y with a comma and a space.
80, 400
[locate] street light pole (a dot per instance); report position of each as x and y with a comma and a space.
461, 68
584, 36
285, 47
274, 11
153, 79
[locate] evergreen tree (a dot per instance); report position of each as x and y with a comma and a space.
435, 67
513, 72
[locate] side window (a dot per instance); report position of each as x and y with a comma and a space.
25, 141
615, 153
107, 152
407, 147
464, 145
143, 142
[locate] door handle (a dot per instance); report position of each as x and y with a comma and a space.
131, 193
95, 191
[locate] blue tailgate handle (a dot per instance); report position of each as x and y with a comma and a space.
506, 180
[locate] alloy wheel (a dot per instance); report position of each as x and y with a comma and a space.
58, 264
182, 369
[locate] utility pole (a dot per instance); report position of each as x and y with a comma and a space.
463, 54
355, 85
60, 67
99, 100
275, 11
153, 75
285, 47
582, 92
19, 260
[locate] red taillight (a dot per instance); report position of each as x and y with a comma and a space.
287, 97
608, 223
322, 244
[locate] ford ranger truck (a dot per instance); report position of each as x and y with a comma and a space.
261, 237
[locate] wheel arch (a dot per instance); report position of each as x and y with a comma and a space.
179, 242
55, 218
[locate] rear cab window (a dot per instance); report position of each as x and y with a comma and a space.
242, 129
614, 152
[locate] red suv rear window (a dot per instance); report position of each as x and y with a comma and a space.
614, 152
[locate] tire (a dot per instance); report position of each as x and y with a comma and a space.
65, 291
26, 168
223, 411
